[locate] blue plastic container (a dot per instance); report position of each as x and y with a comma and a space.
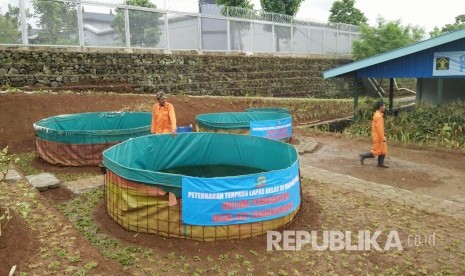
184, 128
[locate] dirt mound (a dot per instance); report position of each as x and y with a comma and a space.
16, 237
20, 111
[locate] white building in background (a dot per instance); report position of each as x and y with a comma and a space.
98, 30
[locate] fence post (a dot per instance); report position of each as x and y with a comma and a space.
350, 43
292, 35
273, 49
199, 31
167, 32
324, 42
24, 34
228, 34
309, 40
80, 23
292, 40
126, 28
252, 26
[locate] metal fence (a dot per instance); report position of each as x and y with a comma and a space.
168, 24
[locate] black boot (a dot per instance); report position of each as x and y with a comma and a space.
365, 155
381, 162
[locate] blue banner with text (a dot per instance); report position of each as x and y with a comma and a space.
272, 129
241, 199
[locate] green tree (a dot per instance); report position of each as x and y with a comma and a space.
386, 36
143, 25
457, 25
8, 33
236, 3
58, 22
10, 26
345, 12
287, 7
14, 15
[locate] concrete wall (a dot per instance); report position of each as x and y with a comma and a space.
181, 72
452, 89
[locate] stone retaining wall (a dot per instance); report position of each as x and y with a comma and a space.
188, 72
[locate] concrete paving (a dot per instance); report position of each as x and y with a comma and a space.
13, 175
430, 204
84, 185
43, 181
306, 145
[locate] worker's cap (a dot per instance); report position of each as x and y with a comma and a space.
161, 95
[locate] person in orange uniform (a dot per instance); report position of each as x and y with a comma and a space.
377, 135
163, 116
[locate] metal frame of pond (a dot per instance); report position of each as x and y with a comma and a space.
186, 231
141, 196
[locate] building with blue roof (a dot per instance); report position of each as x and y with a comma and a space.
438, 64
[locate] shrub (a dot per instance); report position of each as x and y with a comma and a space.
424, 124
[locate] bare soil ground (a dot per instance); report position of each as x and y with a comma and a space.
19, 111
435, 172
15, 237
324, 208
48, 242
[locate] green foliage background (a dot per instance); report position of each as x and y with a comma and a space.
386, 36
143, 25
457, 25
10, 25
442, 126
58, 22
344, 11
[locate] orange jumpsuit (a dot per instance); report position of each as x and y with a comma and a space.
163, 118
377, 134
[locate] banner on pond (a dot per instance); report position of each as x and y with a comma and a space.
449, 64
272, 129
241, 199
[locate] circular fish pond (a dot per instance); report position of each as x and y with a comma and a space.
80, 139
271, 125
202, 186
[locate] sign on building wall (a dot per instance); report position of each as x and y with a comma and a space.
449, 64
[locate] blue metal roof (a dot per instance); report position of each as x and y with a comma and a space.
413, 61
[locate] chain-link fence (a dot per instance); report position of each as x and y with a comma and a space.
167, 24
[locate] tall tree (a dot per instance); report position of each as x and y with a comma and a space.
236, 3
287, 7
8, 33
14, 15
345, 12
386, 36
143, 25
457, 25
58, 22
10, 25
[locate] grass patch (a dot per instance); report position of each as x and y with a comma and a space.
25, 162
79, 211
55, 240
338, 210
